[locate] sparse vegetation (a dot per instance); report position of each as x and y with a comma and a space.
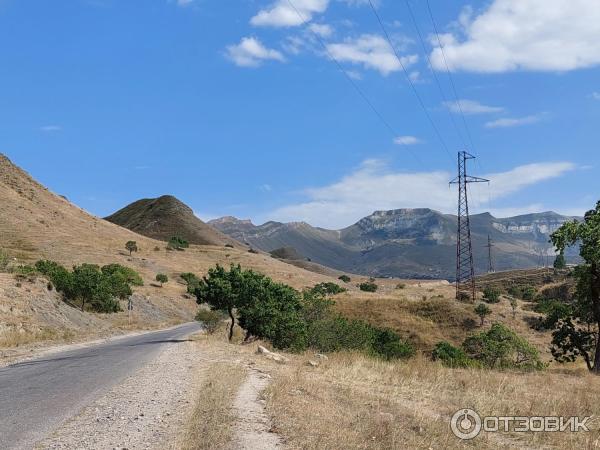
513, 305
162, 279
131, 247
4, 260
451, 356
368, 286
345, 278
401, 286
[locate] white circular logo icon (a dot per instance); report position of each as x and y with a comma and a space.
466, 424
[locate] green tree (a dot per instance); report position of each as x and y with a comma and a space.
368, 286
560, 261
482, 310
131, 276
345, 278
513, 305
577, 334
162, 279
131, 247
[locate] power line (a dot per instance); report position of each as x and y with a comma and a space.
352, 82
414, 89
450, 76
433, 73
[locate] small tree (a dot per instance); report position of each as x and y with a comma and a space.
560, 262
131, 246
178, 243
368, 286
513, 305
162, 279
345, 278
482, 310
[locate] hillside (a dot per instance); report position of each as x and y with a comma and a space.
37, 224
407, 243
164, 217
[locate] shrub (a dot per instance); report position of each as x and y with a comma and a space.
162, 279
400, 286
345, 278
502, 348
368, 286
515, 291
388, 345
328, 289
178, 243
253, 251
451, 356
229, 246
210, 319
4, 260
491, 295
24, 271
529, 293
133, 278
192, 281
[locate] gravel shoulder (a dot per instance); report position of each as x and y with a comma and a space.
147, 411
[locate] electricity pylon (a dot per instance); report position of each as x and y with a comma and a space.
490, 246
465, 271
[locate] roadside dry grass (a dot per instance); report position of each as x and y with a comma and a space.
211, 423
353, 401
14, 338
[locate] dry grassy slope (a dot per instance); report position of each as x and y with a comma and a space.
36, 224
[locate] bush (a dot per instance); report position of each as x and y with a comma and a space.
192, 281
529, 293
328, 289
345, 278
482, 310
4, 260
131, 276
451, 356
229, 246
502, 348
388, 345
368, 286
178, 243
491, 295
24, 271
400, 286
210, 319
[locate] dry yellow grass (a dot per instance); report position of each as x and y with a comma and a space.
352, 401
211, 423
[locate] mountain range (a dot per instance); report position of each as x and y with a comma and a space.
408, 243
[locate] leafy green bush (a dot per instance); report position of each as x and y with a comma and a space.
210, 319
368, 286
451, 356
328, 288
131, 276
491, 295
24, 271
515, 291
482, 310
345, 278
502, 348
178, 243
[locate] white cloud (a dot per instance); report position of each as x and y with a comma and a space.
265, 187
282, 13
373, 186
371, 51
321, 29
51, 128
596, 95
513, 122
544, 35
184, 2
407, 140
471, 107
250, 52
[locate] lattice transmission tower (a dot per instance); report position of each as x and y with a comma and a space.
490, 246
465, 271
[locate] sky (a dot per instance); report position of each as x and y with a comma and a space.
304, 110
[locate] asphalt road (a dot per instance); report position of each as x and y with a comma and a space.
37, 395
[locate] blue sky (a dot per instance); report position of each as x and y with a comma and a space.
235, 107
